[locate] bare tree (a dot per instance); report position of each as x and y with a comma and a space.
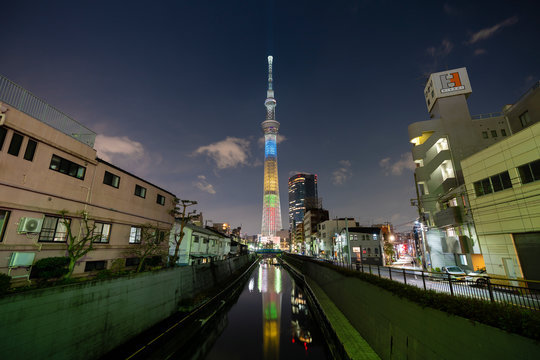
79, 245
151, 244
179, 211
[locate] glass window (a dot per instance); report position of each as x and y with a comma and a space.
104, 232
4, 217
494, 133
195, 239
67, 167
376, 251
140, 191
463, 259
529, 172
54, 229
30, 150
135, 235
111, 179
525, 119
15, 145
95, 265
486, 186
503, 132
160, 199
497, 183
3, 133
485, 134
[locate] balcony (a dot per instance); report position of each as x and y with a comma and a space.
449, 184
447, 217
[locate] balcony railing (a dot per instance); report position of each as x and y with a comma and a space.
21, 99
487, 116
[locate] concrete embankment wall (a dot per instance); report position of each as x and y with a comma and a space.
397, 328
86, 320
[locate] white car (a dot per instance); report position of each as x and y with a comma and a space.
478, 277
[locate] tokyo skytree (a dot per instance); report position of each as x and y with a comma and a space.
271, 216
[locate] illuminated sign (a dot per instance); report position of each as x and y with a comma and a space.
446, 83
451, 82
356, 249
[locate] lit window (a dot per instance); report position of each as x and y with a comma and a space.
463, 259
54, 229
135, 235
111, 179
104, 232
447, 170
450, 231
453, 202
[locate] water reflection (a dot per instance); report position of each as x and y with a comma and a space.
270, 286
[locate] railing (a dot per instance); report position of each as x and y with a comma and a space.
487, 116
21, 99
523, 293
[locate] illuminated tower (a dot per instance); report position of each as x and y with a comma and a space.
271, 216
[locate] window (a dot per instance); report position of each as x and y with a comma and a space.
450, 231
134, 261
376, 251
4, 217
30, 150
15, 144
494, 133
95, 265
160, 199
104, 232
529, 172
67, 167
441, 144
205, 240
525, 119
140, 191
3, 133
452, 202
135, 235
374, 237
111, 179
503, 132
447, 170
195, 239
54, 229
493, 183
463, 259
485, 134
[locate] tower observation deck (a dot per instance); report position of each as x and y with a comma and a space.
271, 216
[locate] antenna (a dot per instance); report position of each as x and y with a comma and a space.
270, 59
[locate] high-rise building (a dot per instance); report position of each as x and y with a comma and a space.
302, 194
271, 216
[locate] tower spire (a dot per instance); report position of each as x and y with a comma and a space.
270, 92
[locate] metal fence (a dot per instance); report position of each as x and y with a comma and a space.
21, 99
523, 293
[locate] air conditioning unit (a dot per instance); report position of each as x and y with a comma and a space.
29, 225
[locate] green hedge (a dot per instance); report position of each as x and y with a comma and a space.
50, 268
510, 318
5, 283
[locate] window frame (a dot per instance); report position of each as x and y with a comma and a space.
100, 233
11, 144
93, 265
142, 192
65, 166
160, 197
3, 136
29, 152
532, 177
494, 133
56, 231
135, 238
485, 135
3, 224
109, 176
487, 185
525, 118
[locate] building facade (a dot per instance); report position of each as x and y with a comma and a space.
47, 166
302, 189
503, 183
439, 145
271, 214
366, 244
327, 233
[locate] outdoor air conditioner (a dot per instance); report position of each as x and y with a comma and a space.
29, 225
2, 119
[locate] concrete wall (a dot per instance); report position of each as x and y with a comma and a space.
400, 329
84, 321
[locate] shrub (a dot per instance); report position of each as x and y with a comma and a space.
5, 283
50, 268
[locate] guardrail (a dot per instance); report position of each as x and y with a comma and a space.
23, 100
516, 292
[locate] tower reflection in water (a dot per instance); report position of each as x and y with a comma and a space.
270, 287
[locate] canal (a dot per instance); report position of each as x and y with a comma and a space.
267, 317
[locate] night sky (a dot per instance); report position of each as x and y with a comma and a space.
176, 89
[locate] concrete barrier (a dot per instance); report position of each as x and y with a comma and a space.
86, 320
397, 328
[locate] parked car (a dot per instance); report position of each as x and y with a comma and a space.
456, 273
478, 277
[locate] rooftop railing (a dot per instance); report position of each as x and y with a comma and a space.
487, 116
21, 99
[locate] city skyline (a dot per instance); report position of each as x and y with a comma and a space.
178, 101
